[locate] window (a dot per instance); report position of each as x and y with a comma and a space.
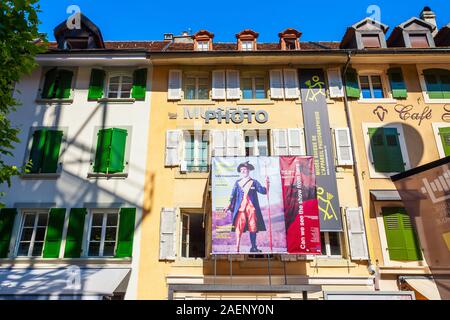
203, 45
196, 151
103, 234
45, 150
256, 143
419, 40
196, 88
119, 86
192, 235
371, 87
290, 44
331, 244
33, 229
386, 151
371, 41
253, 88
57, 84
110, 153
437, 83
401, 237
247, 45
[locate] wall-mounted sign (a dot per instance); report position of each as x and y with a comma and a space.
319, 144
380, 112
226, 115
264, 205
409, 112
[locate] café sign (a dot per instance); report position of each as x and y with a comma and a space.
226, 115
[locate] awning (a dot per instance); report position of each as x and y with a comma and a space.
385, 195
425, 286
61, 281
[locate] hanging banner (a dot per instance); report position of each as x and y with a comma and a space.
263, 205
319, 145
425, 193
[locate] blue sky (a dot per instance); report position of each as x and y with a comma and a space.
148, 19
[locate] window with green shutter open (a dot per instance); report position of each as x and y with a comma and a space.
401, 237
444, 134
110, 153
386, 150
57, 84
438, 83
45, 150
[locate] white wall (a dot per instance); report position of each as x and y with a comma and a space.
82, 118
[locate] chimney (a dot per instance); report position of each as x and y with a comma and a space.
429, 16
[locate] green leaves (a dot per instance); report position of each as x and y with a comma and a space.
18, 47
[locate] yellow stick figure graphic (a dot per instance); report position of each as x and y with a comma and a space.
315, 88
328, 211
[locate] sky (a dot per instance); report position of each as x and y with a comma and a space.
318, 20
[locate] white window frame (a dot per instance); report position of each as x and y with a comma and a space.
119, 91
105, 213
203, 45
437, 137
253, 79
256, 141
197, 143
382, 73
423, 84
245, 45
188, 213
401, 138
328, 247
23, 213
196, 76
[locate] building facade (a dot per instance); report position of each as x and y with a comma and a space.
121, 136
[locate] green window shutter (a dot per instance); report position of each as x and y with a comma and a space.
351, 84
445, 82
102, 155
400, 234
394, 151
117, 155
51, 151
7, 217
438, 83
54, 233
386, 151
74, 239
444, 133
37, 150
139, 84
397, 82
126, 233
49, 84
64, 86
96, 84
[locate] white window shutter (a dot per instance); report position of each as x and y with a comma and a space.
343, 147
357, 234
296, 138
335, 84
262, 143
218, 85
280, 142
218, 143
276, 84
233, 85
167, 235
174, 86
173, 138
235, 143
291, 86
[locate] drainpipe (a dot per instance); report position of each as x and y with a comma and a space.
372, 269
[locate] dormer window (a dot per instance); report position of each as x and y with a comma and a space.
371, 41
419, 40
203, 40
247, 40
86, 37
76, 43
289, 39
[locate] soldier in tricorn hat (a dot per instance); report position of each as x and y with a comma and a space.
244, 205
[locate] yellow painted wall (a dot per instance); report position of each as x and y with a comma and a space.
166, 188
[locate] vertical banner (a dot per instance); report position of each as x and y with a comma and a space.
425, 193
264, 205
319, 145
